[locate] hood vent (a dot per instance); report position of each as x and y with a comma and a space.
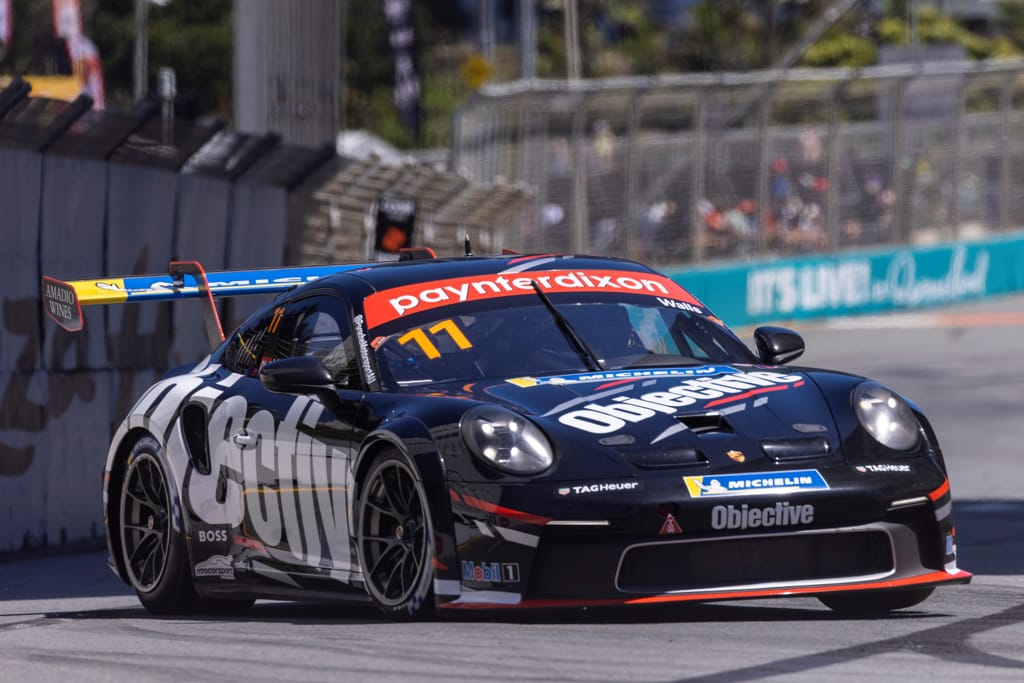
707, 423
788, 450
649, 458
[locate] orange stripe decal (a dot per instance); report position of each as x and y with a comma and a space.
504, 511
939, 492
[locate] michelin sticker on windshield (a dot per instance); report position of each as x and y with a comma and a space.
753, 483
611, 375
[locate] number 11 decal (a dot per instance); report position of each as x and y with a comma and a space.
429, 349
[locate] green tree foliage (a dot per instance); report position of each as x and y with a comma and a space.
617, 38
193, 38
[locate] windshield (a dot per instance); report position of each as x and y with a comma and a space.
522, 338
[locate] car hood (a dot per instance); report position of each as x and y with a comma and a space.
725, 417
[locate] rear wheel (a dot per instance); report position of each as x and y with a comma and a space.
152, 548
875, 604
395, 537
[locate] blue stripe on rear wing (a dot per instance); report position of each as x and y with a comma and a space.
62, 301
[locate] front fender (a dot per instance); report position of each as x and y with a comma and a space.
415, 440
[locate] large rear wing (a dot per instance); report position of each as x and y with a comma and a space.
63, 301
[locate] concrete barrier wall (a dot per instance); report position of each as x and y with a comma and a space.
61, 394
857, 282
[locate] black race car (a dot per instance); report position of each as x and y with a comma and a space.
509, 432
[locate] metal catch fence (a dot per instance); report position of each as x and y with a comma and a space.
694, 168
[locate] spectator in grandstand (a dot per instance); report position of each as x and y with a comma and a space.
653, 223
604, 144
731, 232
851, 234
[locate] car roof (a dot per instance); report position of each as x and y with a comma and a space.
381, 276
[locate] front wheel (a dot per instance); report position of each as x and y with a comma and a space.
395, 537
875, 604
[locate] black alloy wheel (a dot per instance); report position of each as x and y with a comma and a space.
152, 545
395, 537
145, 522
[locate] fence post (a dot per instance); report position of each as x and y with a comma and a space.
764, 151
1006, 105
953, 229
899, 166
832, 173
630, 209
700, 160
579, 242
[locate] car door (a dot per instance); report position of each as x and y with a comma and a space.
288, 456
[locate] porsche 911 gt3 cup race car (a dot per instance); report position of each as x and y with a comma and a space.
508, 432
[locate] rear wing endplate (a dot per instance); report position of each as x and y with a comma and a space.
63, 301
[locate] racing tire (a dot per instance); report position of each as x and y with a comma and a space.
152, 544
395, 538
875, 604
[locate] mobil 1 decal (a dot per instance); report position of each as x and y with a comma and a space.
273, 479
612, 414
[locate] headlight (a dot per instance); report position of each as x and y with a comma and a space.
886, 416
506, 440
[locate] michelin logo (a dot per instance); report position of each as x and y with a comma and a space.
754, 483
612, 375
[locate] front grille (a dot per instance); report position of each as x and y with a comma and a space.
662, 567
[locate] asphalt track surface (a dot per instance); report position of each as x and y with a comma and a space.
67, 618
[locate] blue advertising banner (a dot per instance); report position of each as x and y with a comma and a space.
859, 282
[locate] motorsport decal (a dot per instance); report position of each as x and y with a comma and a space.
745, 517
220, 566
391, 304
752, 483
706, 370
604, 418
597, 487
495, 572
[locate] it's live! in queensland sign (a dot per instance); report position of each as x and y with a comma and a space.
859, 281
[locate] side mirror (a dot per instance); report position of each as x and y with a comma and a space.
297, 375
777, 345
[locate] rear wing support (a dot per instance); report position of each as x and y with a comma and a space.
211, 318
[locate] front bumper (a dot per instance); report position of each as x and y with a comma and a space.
646, 546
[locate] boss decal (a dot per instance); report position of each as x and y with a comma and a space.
746, 517
208, 535
604, 418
